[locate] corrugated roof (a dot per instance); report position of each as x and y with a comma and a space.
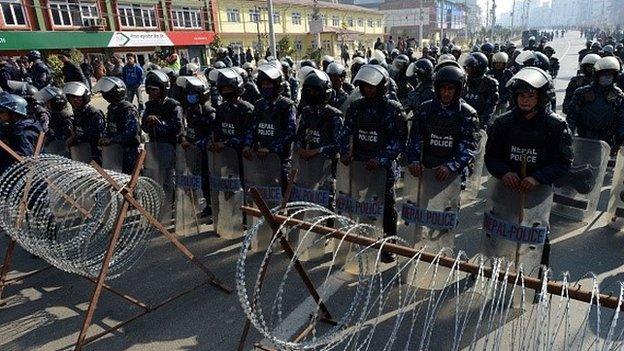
328, 5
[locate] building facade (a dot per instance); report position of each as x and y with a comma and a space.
244, 24
101, 27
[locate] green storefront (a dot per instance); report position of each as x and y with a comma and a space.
24, 41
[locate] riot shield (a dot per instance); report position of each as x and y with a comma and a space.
81, 152
576, 195
314, 184
227, 194
188, 187
56, 147
475, 181
429, 212
112, 157
516, 225
160, 166
616, 201
360, 196
264, 175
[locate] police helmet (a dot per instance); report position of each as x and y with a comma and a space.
13, 103
219, 65
242, 72
500, 57
590, 60
446, 57
532, 79
289, 60
319, 81
190, 69
609, 63
77, 89
550, 49
434, 50
373, 75
113, 89
608, 49
33, 55
423, 68
487, 48
478, 62
619, 47
303, 72
456, 49
23, 89
450, 74
596, 45
270, 72
326, 60
158, 79
356, 64
400, 62
230, 77
336, 69
308, 63
54, 95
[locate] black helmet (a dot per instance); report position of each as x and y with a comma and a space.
33, 55
113, 89
326, 61
422, 68
54, 95
487, 48
336, 69
77, 89
588, 44
533, 59
13, 103
173, 75
374, 75
289, 60
400, 62
270, 72
450, 74
230, 77
533, 79
219, 65
596, 46
319, 81
158, 79
23, 89
357, 63
478, 62
308, 63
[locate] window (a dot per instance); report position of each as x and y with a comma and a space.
233, 15
324, 20
335, 21
186, 17
254, 15
13, 13
378, 23
350, 21
137, 16
327, 45
298, 45
296, 18
369, 22
73, 14
277, 18
360, 22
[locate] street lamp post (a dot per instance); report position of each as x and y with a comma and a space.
271, 29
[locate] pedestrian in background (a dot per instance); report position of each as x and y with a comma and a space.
132, 76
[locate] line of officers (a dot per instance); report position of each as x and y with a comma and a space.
410, 114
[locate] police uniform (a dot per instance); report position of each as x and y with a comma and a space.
423, 92
89, 127
199, 118
502, 76
319, 128
60, 128
482, 94
170, 127
122, 127
20, 136
575, 83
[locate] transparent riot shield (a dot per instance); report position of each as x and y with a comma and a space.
516, 225
429, 215
264, 175
81, 152
56, 147
475, 181
576, 195
188, 189
616, 201
227, 194
314, 184
360, 196
160, 166
112, 157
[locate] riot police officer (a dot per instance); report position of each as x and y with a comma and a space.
423, 70
583, 52
502, 74
488, 50
35, 108
250, 89
293, 83
597, 110
357, 63
233, 118
531, 45
61, 118
122, 121
320, 124
274, 122
585, 77
529, 145
400, 65
456, 51
326, 61
89, 122
38, 71
163, 117
375, 114
482, 90
17, 129
442, 136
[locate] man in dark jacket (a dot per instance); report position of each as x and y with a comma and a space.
71, 71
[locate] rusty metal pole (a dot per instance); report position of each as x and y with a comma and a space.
110, 250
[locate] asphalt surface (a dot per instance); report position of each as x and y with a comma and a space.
45, 311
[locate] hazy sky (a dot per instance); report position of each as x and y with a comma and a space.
502, 5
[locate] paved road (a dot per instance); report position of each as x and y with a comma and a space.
45, 311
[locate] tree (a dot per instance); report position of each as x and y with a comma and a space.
314, 54
216, 43
56, 65
284, 47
